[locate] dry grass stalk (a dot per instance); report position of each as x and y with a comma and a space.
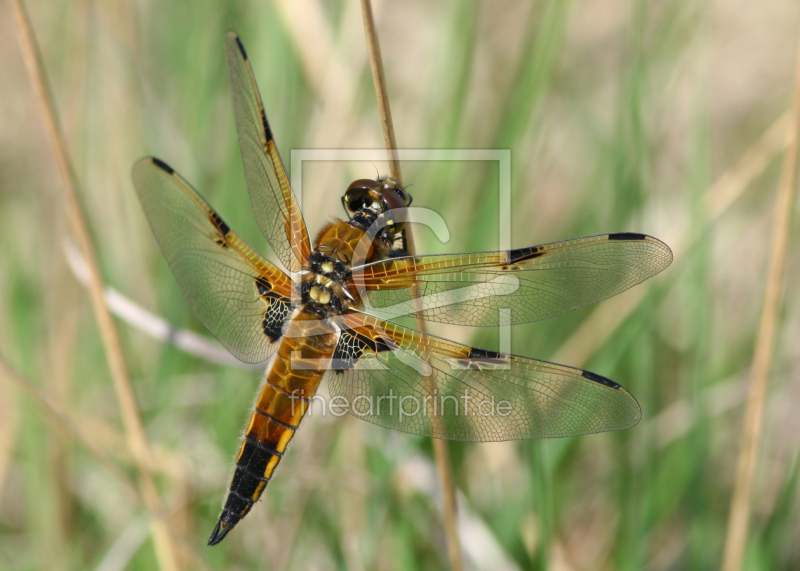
9, 428
137, 441
379, 78
736, 539
439, 446
62, 339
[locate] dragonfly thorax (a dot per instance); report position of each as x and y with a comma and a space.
323, 286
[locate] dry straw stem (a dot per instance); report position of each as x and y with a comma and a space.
736, 539
10, 421
439, 446
165, 548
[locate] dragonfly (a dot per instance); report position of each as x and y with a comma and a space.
328, 316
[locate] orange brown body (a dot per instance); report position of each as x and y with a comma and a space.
293, 377
315, 320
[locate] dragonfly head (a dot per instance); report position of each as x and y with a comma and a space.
366, 199
377, 196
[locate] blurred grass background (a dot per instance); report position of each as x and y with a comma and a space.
620, 116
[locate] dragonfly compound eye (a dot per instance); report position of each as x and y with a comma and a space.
359, 195
391, 200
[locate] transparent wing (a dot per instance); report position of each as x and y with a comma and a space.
239, 296
274, 204
410, 381
527, 284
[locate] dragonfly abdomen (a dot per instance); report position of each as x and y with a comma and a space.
289, 385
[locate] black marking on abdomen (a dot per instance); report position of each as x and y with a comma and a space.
163, 166
263, 446
254, 457
522, 254
626, 236
245, 499
248, 481
246, 472
600, 379
244, 485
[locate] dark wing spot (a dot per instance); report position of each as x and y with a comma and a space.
483, 354
163, 166
217, 221
379, 345
263, 286
479, 359
626, 236
521, 254
267, 129
241, 47
600, 379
